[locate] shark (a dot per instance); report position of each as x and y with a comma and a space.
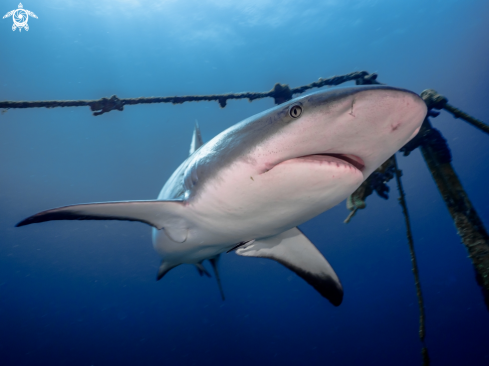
249, 188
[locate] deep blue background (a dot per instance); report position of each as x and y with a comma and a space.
83, 293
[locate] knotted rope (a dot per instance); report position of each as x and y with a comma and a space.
280, 93
433, 146
437, 101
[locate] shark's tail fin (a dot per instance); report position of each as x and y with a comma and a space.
166, 266
202, 271
292, 249
214, 261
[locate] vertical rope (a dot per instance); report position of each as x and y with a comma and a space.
402, 202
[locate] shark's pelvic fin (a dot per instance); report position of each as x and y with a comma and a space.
163, 269
214, 261
292, 249
239, 245
160, 214
196, 139
202, 270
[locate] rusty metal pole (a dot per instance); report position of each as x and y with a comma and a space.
469, 226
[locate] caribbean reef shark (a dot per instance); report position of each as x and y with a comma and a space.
249, 187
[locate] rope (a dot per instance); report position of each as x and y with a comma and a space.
280, 93
433, 137
376, 182
351, 214
457, 113
438, 101
402, 202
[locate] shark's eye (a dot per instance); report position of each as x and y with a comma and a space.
295, 111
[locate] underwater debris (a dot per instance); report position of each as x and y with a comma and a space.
431, 142
434, 100
376, 182
432, 137
414, 262
280, 92
468, 223
106, 105
438, 157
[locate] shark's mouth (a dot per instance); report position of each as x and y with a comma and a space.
350, 160
353, 160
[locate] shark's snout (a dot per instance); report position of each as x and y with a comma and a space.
360, 126
372, 123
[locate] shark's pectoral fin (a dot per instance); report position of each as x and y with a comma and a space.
292, 249
163, 269
160, 214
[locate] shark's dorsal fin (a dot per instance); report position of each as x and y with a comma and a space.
196, 139
292, 249
214, 261
168, 215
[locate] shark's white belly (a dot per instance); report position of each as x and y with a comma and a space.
240, 204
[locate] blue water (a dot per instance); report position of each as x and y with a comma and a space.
84, 293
